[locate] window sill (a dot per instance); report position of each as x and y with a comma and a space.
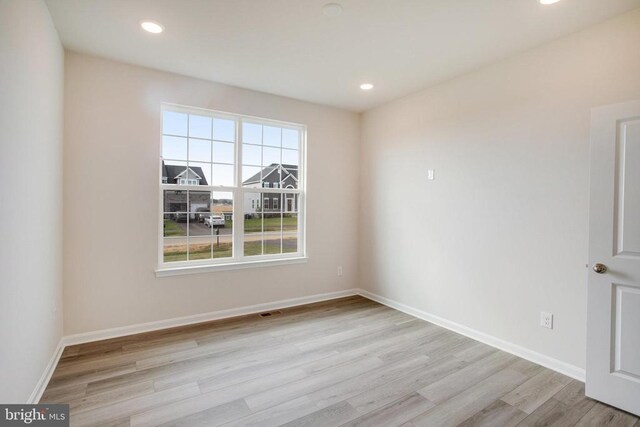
195, 269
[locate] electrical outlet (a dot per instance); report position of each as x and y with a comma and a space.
430, 175
339, 271
546, 320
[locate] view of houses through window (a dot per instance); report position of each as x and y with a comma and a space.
231, 188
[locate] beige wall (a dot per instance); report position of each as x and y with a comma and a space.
112, 147
501, 233
31, 90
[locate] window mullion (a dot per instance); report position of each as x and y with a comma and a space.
262, 195
212, 237
187, 191
281, 196
238, 203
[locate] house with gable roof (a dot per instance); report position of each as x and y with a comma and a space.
273, 176
176, 201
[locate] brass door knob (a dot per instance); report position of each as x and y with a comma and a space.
600, 268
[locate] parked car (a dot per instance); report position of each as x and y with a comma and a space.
214, 220
201, 214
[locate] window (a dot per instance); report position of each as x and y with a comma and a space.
184, 181
217, 206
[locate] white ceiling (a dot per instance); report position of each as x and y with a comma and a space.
290, 48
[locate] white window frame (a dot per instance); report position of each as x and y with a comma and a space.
275, 203
237, 260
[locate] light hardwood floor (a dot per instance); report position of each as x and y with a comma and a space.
348, 361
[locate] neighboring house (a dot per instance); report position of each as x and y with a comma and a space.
176, 201
178, 174
272, 176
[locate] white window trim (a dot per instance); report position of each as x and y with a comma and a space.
237, 261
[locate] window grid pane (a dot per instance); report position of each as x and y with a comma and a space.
268, 159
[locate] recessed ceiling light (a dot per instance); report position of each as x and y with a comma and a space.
152, 27
366, 86
549, 1
331, 9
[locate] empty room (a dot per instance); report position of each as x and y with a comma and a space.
320, 213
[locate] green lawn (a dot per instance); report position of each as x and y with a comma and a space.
172, 229
270, 247
253, 225
223, 250
270, 224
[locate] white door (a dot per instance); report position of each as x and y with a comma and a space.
613, 312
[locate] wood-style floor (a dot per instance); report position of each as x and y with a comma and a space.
349, 361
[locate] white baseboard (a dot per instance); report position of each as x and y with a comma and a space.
46, 375
171, 323
199, 318
533, 356
546, 361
